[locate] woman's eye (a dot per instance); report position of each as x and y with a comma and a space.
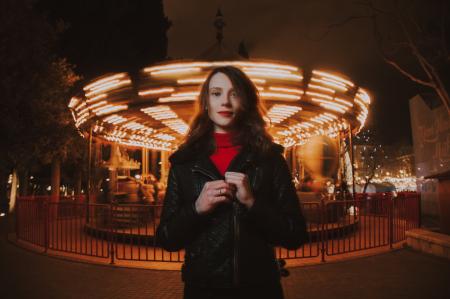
234, 94
216, 93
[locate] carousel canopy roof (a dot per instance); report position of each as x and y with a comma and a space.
154, 109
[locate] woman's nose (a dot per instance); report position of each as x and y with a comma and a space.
226, 100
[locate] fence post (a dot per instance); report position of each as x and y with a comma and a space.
419, 210
322, 230
46, 215
391, 222
17, 212
111, 233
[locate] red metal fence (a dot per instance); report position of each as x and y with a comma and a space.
126, 231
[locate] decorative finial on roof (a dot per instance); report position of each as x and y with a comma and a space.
219, 23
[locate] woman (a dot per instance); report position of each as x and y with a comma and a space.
230, 197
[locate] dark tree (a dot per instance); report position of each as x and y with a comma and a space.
412, 36
110, 36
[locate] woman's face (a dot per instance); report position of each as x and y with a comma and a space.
223, 102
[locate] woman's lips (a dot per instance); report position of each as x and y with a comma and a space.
226, 114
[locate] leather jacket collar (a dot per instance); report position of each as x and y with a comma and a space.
238, 164
201, 161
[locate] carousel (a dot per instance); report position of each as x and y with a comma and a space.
133, 123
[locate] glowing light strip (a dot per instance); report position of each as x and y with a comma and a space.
264, 70
323, 119
186, 94
257, 80
317, 120
98, 82
274, 75
173, 66
278, 113
105, 85
292, 90
81, 105
149, 143
279, 95
330, 84
191, 80
160, 112
177, 125
321, 88
80, 122
109, 108
176, 99
97, 104
109, 87
362, 94
176, 71
114, 119
219, 63
73, 116
98, 128
96, 98
263, 65
166, 137
156, 91
133, 126
308, 124
346, 103
73, 102
337, 78
310, 93
329, 116
361, 104
203, 79
83, 111
330, 105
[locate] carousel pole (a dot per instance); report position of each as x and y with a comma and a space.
353, 160
339, 167
88, 194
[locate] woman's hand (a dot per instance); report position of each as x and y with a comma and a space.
241, 182
213, 193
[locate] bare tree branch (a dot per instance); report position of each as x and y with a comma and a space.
400, 17
426, 66
443, 31
371, 6
379, 39
407, 74
336, 25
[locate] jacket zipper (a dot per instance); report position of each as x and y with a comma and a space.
211, 176
236, 231
236, 242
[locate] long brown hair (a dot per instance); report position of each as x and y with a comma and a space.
249, 127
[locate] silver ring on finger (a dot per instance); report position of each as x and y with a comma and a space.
220, 191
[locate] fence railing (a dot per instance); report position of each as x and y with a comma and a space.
126, 231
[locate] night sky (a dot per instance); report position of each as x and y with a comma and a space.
282, 29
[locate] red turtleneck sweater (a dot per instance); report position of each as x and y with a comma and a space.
225, 151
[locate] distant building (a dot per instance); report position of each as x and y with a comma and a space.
385, 164
430, 124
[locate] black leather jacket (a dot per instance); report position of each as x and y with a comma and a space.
232, 245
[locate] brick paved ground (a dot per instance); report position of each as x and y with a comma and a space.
398, 274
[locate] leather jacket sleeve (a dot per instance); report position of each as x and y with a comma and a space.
282, 223
180, 221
